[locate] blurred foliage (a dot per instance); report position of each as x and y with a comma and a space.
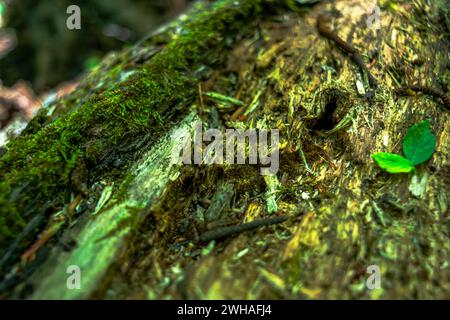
47, 53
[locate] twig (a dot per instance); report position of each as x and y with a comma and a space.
346, 47
405, 91
227, 231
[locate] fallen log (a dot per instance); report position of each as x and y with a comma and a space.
128, 232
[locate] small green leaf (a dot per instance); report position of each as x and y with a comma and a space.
419, 143
224, 99
392, 163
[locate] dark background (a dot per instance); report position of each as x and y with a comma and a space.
37, 47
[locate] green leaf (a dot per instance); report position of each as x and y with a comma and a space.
392, 163
224, 99
419, 143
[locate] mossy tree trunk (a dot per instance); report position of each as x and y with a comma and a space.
92, 175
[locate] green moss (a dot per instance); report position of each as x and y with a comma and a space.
36, 167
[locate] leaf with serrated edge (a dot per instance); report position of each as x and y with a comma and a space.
392, 163
419, 143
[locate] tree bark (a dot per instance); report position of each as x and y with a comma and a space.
92, 175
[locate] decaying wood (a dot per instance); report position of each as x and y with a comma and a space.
345, 214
